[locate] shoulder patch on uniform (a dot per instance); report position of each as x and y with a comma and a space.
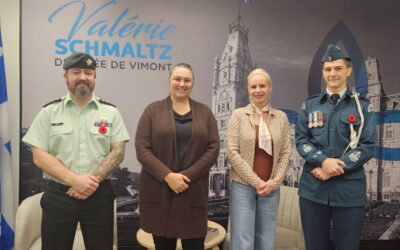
52, 102
106, 103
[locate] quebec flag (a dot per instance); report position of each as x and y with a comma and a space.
6, 179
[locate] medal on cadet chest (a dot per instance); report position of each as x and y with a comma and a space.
310, 118
320, 119
316, 119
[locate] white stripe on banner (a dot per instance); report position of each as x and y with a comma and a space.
6, 185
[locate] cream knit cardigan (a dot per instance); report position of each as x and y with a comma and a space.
241, 145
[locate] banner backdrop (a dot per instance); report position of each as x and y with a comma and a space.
136, 43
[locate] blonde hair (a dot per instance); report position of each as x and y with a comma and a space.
260, 71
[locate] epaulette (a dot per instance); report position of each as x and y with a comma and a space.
55, 101
313, 96
107, 103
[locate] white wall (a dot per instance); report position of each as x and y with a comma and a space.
10, 31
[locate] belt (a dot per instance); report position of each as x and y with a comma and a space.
57, 186
63, 188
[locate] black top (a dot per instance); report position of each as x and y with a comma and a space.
183, 127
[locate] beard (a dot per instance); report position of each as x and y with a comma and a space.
80, 91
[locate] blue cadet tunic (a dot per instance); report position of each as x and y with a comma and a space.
323, 131
80, 139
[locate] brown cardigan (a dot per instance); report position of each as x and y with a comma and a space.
162, 212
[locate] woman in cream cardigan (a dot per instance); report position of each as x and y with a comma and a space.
258, 151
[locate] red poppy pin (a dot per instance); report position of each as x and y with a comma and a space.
102, 129
351, 118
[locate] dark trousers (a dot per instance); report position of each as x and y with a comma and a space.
316, 220
62, 213
164, 243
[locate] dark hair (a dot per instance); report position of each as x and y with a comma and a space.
348, 62
181, 65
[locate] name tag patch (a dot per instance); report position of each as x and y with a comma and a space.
57, 124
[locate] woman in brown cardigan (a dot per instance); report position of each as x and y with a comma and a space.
258, 151
177, 142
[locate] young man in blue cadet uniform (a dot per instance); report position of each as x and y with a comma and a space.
335, 134
77, 141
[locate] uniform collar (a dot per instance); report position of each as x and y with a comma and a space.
94, 100
324, 94
341, 93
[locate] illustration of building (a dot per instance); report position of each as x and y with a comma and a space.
383, 172
296, 162
229, 92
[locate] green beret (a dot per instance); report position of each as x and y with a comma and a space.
79, 60
333, 53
